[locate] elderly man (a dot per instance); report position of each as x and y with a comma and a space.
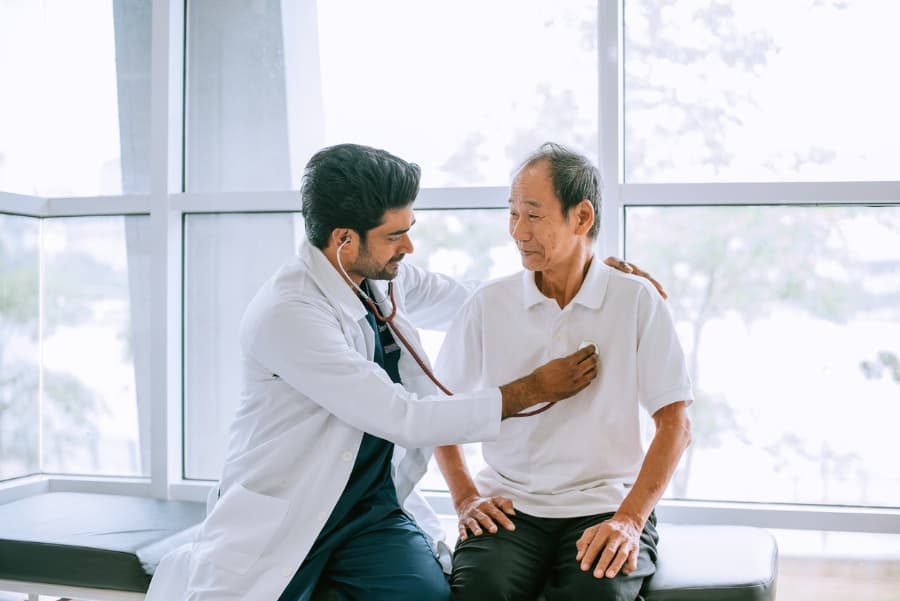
570, 488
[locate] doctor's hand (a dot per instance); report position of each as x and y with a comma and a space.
626, 267
610, 547
561, 378
553, 381
478, 513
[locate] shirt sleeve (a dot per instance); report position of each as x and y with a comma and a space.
460, 363
662, 372
302, 341
432, 300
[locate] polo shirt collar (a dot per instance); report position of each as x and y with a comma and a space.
331, 282
590, 295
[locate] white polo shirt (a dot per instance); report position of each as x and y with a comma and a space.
581, 456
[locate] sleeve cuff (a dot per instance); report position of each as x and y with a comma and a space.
654, 404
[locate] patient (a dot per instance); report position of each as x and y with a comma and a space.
565, 504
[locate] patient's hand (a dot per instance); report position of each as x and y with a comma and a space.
610, 547
626, 267
477, 513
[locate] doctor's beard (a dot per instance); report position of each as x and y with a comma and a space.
366, 266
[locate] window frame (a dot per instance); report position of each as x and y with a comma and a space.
167, 204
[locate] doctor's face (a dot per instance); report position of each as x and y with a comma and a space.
385, 246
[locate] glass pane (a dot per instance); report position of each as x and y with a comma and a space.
236, 117
75, 112
95, 411
465, 89
227, 257
19, 352
723, 92
837, 566
790, 318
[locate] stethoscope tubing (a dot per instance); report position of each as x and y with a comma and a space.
371, 303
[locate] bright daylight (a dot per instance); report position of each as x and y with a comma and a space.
307, 300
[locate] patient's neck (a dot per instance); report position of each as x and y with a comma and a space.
562, 282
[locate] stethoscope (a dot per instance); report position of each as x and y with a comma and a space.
373, 306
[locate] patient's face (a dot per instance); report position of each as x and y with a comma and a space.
546, 238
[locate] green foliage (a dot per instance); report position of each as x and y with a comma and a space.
70, 412
18, 276
711, 418
475, 232
74, 283
884, 362
66, 395
750, 261
19, 418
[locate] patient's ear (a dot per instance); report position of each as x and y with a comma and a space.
582, 215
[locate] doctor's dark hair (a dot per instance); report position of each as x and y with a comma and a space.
352, 186
574, 178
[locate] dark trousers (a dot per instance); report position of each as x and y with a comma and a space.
388, 560
539, 556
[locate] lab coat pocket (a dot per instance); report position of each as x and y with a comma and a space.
240, 527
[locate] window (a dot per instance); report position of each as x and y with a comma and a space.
78, 123
465, 89
815, 565
19, 352
713, 113
95, 346
74, 318
227, 257
790, 319
722, 91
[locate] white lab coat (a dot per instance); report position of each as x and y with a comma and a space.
296, 434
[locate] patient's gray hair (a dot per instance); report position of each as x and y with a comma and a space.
574, 178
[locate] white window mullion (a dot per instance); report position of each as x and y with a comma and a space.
167, 52
135, 204
609, 49
235, 202
788, 517
795, 193
22, 204
487, 197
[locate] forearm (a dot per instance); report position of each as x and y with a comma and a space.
452, 462
671, 439
519, 395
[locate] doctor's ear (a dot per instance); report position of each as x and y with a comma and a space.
342, 237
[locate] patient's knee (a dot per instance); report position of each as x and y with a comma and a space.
480, 582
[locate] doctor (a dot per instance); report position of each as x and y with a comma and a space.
336, 417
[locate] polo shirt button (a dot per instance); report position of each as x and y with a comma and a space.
322, 516
287, 573
347, 456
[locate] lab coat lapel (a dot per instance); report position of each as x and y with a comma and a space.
339, 294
